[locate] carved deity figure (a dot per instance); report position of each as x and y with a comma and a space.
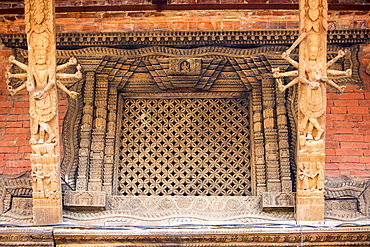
38, 177
320, 176
52, 178
39, 80
305, 175
313, 100
184, 66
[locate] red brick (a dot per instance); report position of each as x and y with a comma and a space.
331, 166
6, 124
331, 144
365, 160
352, 96
14, 156
18, 163
343, 159
330, 151
17, 130
354, 138
358, 109
14, 170
349, 152
23, 117
332, 173
9, 150
339, 130
351, 166
338, 109
346, 102
358, 145
329, 123
337, 117
367, 138
364, 129
354, 118
360, 174
344, 124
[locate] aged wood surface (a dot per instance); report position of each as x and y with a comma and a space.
41, 79
312, 79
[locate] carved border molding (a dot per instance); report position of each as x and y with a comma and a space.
231, 235
215, 237
16, 198
193, 38
346, 199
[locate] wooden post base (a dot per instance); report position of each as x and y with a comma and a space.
47, 211
310, 206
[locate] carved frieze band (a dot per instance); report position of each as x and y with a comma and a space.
159, 236
262, 37
346, 200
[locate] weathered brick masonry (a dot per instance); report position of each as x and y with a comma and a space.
348, 118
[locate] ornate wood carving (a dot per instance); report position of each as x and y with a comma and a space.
185, 147
312, 79
293, 236
235, 234
143, 74
193, 38
16, 198
41, 79
347, 199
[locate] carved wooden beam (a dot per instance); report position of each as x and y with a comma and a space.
160, 5
188, 38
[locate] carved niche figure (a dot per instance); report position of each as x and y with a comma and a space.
313, 100
52, 178
305, 176
184, 66
39, 81
38, 177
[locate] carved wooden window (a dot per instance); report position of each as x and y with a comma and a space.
184, 147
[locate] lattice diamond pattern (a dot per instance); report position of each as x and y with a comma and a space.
184, 147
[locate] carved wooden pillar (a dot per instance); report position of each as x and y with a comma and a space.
86, 126
42, 80
312, 78
45, 158
259, 149
284, 156
110, 138
98, 134
271, 137
311, 111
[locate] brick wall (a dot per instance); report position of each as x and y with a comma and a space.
348, 132
72, 3
186, 21
348, 127
14, 127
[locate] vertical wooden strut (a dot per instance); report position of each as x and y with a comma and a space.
41, 80
312, 71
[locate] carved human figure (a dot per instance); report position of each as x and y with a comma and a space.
184, 66
320, 176
38, 177
39, 79
52, 178
313, 100
305, 175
